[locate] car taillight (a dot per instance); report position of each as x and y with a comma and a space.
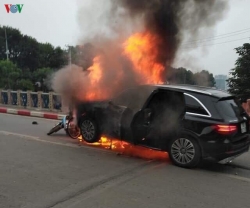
226, 129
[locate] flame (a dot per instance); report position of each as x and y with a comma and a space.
125, 148
92, 90
95, 75
140, 49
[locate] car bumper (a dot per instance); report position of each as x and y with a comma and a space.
226, 151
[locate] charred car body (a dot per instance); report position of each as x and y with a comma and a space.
191, 123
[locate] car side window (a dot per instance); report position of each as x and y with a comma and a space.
193, 106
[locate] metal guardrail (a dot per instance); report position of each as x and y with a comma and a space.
40, 100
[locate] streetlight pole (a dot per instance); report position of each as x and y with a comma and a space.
70, 59
7, 50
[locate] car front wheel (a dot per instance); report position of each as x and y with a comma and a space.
185, 152
89, 130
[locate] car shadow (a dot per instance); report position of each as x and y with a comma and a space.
231, 168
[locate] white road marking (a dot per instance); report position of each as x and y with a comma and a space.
34, 138
239, 177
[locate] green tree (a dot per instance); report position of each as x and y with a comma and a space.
184, 76
28, 53
239, 83
58, 59
41, 74
46, 51
10, 73
25, 84
204, 78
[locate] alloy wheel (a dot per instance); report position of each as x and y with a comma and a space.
183, 151
88, 130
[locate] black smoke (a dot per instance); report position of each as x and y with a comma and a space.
171, 20
106, 24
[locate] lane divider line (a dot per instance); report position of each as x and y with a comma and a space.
34, 138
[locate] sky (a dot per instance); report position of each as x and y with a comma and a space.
59, 23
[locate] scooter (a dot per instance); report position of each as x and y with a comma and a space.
67, 123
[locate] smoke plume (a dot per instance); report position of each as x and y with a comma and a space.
107, 24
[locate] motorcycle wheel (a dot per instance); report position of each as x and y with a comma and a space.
72, 130
55, 129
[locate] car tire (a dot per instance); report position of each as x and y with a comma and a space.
89, 130
185, 152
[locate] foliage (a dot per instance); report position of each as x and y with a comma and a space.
184, 76
27, 52
9, 75
29, 60
25, 84
240, 75
204, 78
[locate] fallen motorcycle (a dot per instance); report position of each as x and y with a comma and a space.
68, 125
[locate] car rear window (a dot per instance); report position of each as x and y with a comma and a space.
230, 108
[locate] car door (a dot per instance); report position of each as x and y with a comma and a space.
117, 112
159, 120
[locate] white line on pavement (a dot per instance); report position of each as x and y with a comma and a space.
23, 136
239, 178
36, 139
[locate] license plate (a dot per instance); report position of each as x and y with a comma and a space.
243, 127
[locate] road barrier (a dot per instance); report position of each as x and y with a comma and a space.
33, 100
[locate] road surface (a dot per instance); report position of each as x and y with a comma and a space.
41, 171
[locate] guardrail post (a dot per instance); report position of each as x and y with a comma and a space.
18, 98
51, 101
9, 97
39, 97
29, 99
1, 97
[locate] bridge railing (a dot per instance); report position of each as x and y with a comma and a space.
33, 100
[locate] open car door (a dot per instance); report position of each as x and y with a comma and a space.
159, 120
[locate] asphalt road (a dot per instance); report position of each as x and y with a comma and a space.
41, 171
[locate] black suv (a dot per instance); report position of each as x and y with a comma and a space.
191, 123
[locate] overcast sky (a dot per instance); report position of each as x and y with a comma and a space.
56, 22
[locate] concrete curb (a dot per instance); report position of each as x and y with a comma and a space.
31, 113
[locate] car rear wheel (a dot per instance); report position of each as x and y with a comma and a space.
185, 152
89, 130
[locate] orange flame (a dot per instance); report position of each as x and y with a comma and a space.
140, 49
125, 148
92, 90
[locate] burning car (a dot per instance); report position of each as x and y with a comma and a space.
191, 123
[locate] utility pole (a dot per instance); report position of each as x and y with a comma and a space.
7, 50
70, 59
